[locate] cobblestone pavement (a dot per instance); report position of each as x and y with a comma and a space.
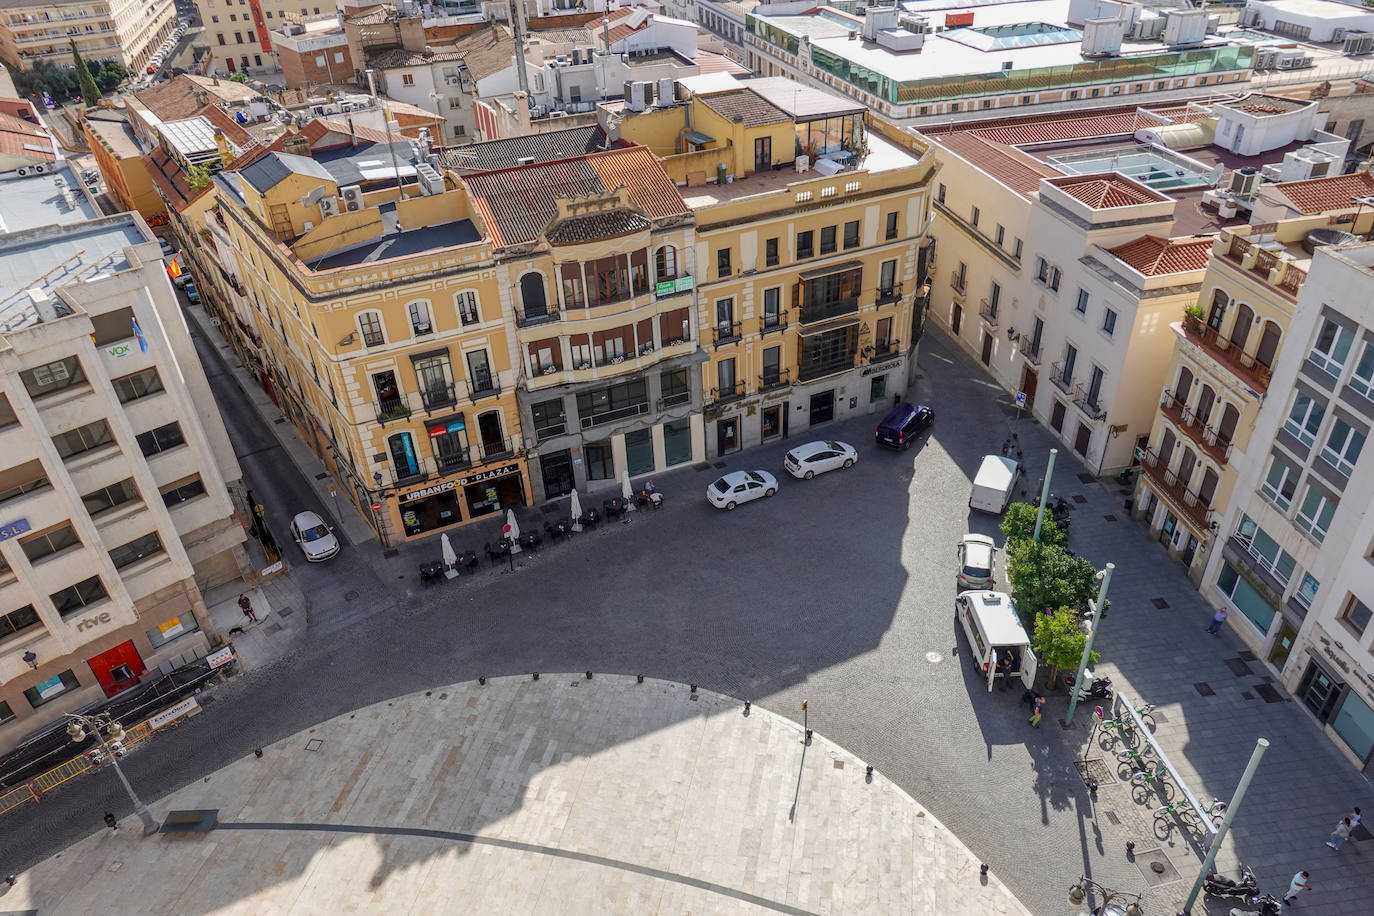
562, 795
837, 591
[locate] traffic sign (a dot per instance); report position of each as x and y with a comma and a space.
505, 529
1097, 711
1020, 399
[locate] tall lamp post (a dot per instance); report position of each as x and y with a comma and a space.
1110, 905
1044, 495
99, 727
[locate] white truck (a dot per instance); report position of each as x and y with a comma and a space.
994, 630
994, 484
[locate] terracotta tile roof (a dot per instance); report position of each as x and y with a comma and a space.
603, 225
233, 130
394, 58
744, 105
25, 139
517, 204
1007, 165
486, 51
1154, 256
321, 129
1318, 195
185, 95
1103, 192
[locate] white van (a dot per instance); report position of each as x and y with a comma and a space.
993, 629
993, 486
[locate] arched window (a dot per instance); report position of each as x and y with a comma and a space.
1269, 344
420, 322
1166, 448
1226, 429
532, 295
467, 307
370, 324
1186, 465
1240, 331
1184, 389
1206, 399
1207, 487
665, 263
1220, 302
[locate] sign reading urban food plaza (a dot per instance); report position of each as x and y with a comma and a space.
428, 491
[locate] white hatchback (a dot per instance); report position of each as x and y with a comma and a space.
314, 537
806, 461
740, 487
977, 553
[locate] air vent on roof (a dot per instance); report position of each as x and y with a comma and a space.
525, 160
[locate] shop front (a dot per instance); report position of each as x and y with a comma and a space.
461, 499
118, 668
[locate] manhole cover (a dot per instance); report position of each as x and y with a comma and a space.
286, 612
1111, 816
839, 764
279, 420
1159, 603
1238, 667
1159, 717
1248, 655
314, 744
1246, 695
1267, 693
323, 475
1095, 769
934, 658
1156, 868
1204, 689
350, 595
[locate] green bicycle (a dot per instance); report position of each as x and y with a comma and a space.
1187, 816
1156, 780
1114, 730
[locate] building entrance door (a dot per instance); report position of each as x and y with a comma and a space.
558, 474
956, 319
1283, 644
727, 435
763, 154
1028, 381
823, 407
987, 348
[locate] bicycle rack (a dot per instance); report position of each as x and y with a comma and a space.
1122, 705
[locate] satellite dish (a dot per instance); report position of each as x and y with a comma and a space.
313, 197
1214, 176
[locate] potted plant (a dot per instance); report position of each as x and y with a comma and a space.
1192, 318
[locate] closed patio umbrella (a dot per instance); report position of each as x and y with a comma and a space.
450, 558
514, 531
627, 491
576, 512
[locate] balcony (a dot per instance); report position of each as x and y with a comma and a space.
884, 349
1265, 265
1243, 366
988, 313
772, 324
1205, 437
889, 294
1090, 402
726, 333
437, 396
390, 409
1063, 379
824, 310
958, 283
1030, 349
810, 370
725, 395
1167, 484
526, 320
770, 381
673, 286
448, 464
486, 388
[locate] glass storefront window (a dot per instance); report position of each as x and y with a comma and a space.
169, 630
1248, 601
1354, 722
51, 689
600, 465
677, 442
437, 511
639, 451
483, 498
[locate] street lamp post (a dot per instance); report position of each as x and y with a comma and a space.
1083, 886
98, 726
1077, 686
1044, 494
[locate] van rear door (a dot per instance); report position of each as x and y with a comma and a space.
1029, 665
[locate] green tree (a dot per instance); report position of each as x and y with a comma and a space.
198, 177
239, 77
1045, 576
1058, 642
1018, 524
90, 92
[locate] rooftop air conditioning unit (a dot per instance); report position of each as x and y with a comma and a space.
452, 80
1357, 43
431, 182
1244, 182
353, 198
803, 163
329, 206
1266, 58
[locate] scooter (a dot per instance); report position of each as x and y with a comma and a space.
1094, 688
1226, 888
1267, 905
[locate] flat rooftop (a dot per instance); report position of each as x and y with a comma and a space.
400, 243
41, 200
45, 259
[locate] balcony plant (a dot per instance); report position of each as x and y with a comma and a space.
1192, 318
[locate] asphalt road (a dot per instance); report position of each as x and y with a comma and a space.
838, 591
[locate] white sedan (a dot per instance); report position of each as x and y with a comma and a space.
740, 487
806, 461
314, 537
976, 556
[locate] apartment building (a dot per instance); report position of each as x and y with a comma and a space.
128, 31
383, 326
115, 511
1072, 243
238, 31
811, 253
595, 254
1297, 560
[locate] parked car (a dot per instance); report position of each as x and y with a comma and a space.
315, 538
192, 293
994, 484
976, 555
806, 461
740, 487
903, 424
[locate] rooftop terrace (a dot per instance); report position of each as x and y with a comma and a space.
36, 262
43, 200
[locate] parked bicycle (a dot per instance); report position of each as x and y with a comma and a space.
1185, 816
1152, 782
1114, 730
1133, 760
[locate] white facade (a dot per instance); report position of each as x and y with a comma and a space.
1311, 20
1296, 568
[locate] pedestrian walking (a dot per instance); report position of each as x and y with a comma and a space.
1301, 882
246, 606
1217, 620
1034, 720
111, 821
11, 880
1006, 448
1355, 818
1340, 834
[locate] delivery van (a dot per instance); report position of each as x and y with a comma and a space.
993, 629
994, 484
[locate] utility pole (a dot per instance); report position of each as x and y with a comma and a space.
1044, 495
1260, 747
518, 33
1077, 685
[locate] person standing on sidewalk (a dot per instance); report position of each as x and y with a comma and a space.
1340, 834
1301, 882
1039, 705
1217, 620
111, 821
246, 606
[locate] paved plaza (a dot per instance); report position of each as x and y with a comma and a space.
562, 795
839, 592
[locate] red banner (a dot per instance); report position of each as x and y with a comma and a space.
260, 24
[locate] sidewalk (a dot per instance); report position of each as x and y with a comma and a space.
282, 619
560, 795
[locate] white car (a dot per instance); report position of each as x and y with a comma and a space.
315, 538
977, 553
740, 487
806, 461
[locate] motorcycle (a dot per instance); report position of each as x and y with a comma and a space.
1267, 905
1217, 885
1094, 688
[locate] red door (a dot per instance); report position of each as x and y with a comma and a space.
118, 668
